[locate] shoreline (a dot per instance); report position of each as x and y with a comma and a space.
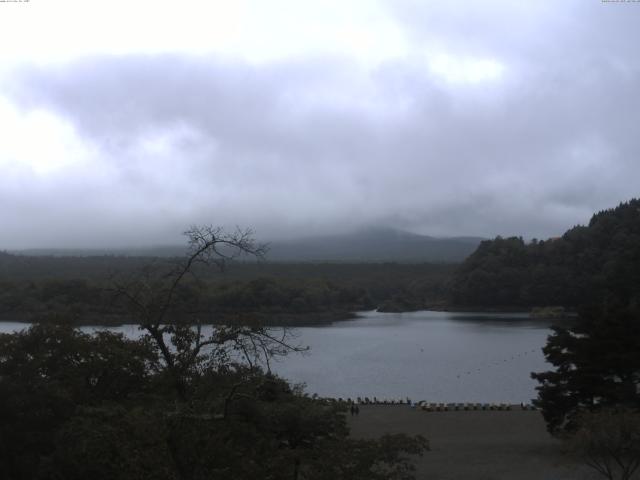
284, 319
261, 318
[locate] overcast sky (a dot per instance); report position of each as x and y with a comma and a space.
122, 123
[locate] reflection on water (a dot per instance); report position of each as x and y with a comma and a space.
434, 356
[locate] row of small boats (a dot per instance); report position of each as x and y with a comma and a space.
434, 407
445, 407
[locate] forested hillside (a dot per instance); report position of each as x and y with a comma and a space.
80, 289
586, 262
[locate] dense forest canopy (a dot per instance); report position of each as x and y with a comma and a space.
33, 288
78, 406
586, 262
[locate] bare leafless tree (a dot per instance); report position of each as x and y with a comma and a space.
609, 442
150, 297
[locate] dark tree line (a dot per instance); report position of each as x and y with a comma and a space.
39, 288
587, 262
213, 301
78, 406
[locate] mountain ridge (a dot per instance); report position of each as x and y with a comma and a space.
377, 244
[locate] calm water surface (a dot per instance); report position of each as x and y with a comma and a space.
434, 356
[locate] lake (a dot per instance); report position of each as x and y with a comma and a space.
433, 356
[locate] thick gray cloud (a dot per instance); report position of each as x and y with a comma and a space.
321, 144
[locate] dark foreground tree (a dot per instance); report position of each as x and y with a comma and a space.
155, 300
596, 365
47, 372
609, 442
592, 398
77, 406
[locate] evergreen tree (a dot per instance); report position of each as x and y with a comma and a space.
597, 365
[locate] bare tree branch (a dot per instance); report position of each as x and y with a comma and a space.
151, 296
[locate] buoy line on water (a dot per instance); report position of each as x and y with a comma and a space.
495, 363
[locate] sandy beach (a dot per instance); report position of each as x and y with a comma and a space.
478, 445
